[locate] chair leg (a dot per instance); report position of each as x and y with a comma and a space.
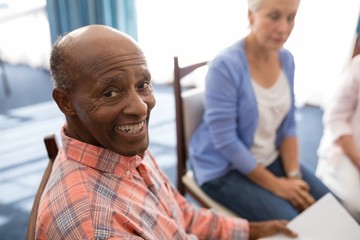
4, 78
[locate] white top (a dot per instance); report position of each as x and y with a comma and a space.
341, 117
273, 105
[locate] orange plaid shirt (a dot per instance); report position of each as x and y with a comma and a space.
94, 193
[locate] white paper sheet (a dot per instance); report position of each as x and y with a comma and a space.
326, 219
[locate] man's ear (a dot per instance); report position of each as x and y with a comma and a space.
63, 101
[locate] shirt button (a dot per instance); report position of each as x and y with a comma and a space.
127, 172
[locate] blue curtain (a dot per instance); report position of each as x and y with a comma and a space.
67, 15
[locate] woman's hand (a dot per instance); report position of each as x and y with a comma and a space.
268, 228
296, 191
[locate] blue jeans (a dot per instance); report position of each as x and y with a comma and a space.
235, 191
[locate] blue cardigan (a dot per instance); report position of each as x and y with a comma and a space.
223, 140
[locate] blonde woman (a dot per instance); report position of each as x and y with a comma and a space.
245, 152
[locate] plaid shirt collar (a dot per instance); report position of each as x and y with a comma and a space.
99, 158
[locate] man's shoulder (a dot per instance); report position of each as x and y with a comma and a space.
64, 205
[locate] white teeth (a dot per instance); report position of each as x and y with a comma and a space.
131, 129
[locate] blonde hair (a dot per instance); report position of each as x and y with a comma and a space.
254, 5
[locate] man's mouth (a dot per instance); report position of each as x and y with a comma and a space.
131, 129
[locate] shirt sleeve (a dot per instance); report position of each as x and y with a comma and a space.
288, 126
205, 223
224, 85
340, 111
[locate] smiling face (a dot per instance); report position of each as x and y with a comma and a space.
111, 98
273, 22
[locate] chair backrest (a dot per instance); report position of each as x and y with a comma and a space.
52, 150
188, 115
193, 111
189, 105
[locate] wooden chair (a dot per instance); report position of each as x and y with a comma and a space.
189, 104
52, 150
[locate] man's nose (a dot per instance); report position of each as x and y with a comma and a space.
135, 105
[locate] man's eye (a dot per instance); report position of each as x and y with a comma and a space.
145, 85
110, 94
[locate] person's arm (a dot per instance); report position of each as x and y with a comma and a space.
338, 116
290, 155
296, 191
286, 136
346, 142
223, 109
207, 224
268, 228
292, 188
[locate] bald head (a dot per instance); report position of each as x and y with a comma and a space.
103, 86
84, 48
